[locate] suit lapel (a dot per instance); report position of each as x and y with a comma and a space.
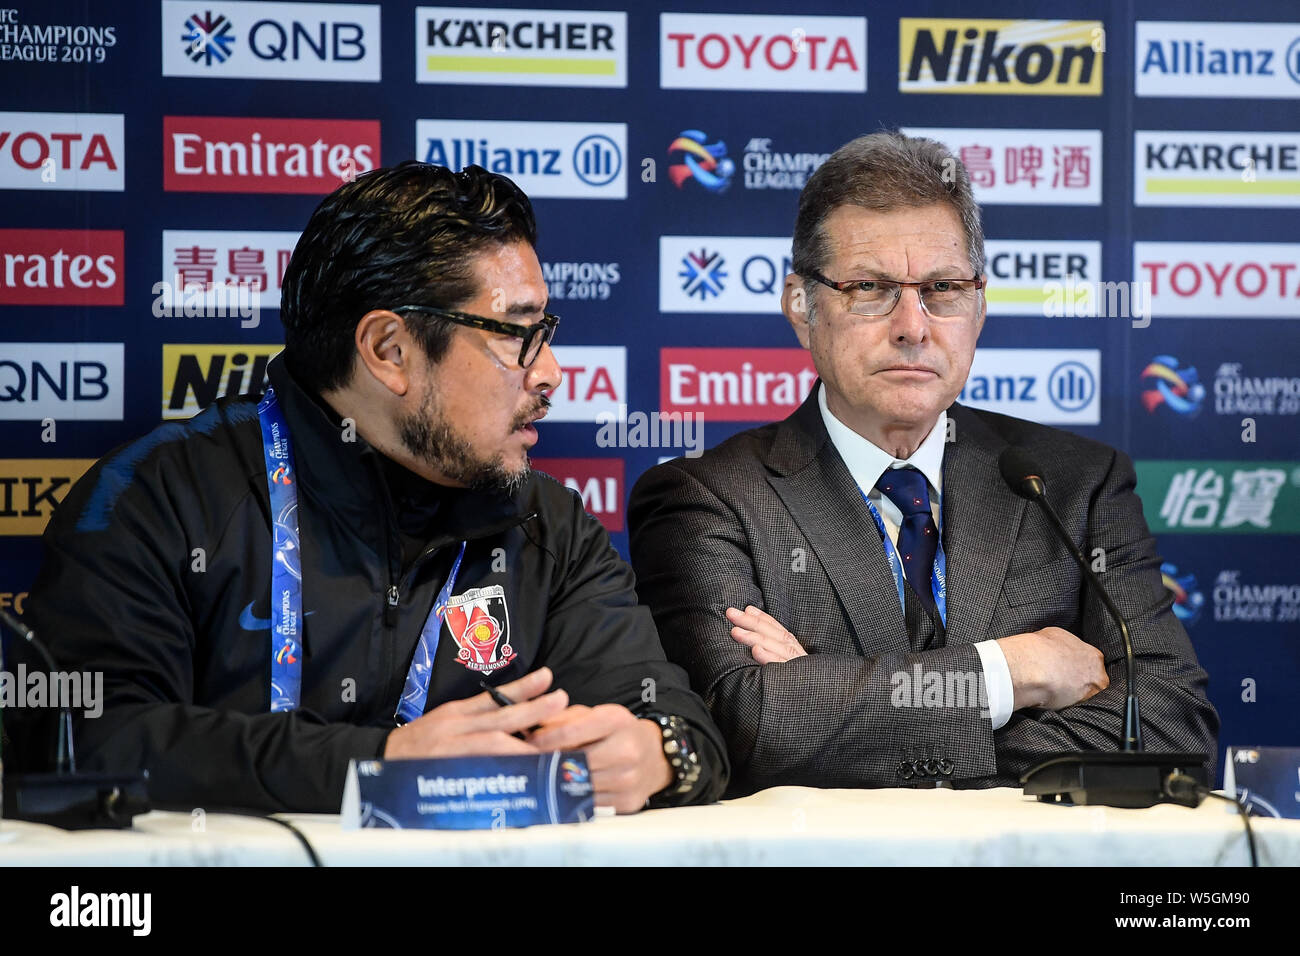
824, 501
981, 517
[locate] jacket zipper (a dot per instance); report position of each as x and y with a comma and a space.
390, 609
394, 593
394, 596
429, 552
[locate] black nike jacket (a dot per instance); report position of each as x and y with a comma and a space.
158, 573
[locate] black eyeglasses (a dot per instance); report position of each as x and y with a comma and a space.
534, 336
940, 298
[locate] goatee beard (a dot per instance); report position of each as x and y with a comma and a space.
430, 438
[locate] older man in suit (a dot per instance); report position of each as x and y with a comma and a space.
854, 590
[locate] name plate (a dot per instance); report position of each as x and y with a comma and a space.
1268, 778
468, 793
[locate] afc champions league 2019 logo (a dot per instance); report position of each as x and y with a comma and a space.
574, 772
479, 622
287, 556
1188, 600
1166, 382
707, 163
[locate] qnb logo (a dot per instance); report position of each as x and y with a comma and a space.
597, 160
1188, 601
731, 274
1165, 382
81, 381
250, 39
325, 42
707, 163
1071, 386
702, 274
208, 38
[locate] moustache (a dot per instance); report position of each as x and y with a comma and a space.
543, 403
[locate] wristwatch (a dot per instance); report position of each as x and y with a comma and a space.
683, 759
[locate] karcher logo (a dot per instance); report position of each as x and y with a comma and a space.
31, 488
195, 376
520, 47
1019, 57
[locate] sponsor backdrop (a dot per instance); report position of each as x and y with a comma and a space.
1138, 165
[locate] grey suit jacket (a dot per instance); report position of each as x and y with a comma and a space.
771, 517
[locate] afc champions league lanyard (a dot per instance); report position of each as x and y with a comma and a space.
938, 572
286, 582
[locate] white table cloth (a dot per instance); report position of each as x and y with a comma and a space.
784, 825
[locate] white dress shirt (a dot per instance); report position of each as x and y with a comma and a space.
866, 463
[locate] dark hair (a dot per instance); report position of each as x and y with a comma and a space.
405, 235
883, 171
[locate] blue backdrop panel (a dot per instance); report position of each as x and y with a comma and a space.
664, 152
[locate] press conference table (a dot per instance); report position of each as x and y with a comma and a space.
781, 826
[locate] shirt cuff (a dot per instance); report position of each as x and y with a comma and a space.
997, 682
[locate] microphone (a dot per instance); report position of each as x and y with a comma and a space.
1024, 477
65, 798
1126, 778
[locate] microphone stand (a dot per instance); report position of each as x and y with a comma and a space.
1130, 777
68, 799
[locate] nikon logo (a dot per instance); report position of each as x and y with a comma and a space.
31, 488
1051, 57
195, 376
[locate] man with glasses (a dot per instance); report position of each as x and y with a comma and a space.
855, 591
339, 568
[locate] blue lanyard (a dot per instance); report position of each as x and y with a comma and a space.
938, 573
286, 582
416, 691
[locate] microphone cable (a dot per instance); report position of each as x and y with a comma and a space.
302, 837
1180, 785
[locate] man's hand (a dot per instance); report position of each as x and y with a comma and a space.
766, 638
1051, 668
624, 753
478, 725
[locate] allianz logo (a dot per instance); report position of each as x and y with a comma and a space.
1070, 385
596, 159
